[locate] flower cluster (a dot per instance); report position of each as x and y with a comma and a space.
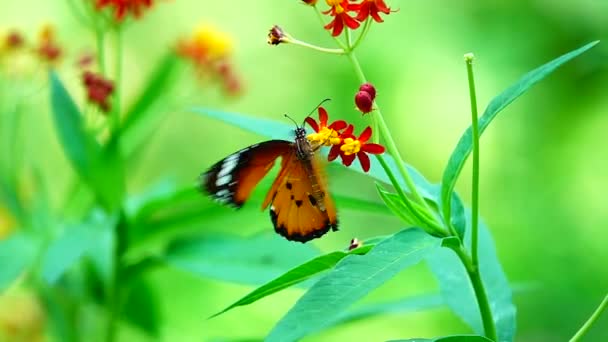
210, 51
98, 89
351, 13
339, 135
123, 7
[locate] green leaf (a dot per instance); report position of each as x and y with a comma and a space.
141, 308
253, 260
455, 338
17, 254
144, 115
297, 275
405, 305
395, 204
352, 278
458, 293
67, 249
464, 147
276, 130
99, 168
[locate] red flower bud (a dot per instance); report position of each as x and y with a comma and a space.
310, 2
364, 102
369, 88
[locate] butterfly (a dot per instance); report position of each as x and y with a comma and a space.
301, 208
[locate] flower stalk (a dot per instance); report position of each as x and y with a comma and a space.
592, 319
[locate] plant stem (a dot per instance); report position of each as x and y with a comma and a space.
338, 41
115, 117
314, 47
589, 323
363, 33
386, 134
475, 186
480, 293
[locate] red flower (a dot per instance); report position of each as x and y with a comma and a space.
339, 10
98, 90
371, 8
353, 147
122, 7
327, 135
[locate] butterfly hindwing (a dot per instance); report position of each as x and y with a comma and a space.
232, 179
301, 208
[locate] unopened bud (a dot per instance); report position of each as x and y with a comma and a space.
369, 88
276, 36
364, 101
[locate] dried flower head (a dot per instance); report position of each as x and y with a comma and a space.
276, 36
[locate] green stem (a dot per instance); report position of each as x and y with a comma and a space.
480, 293
475, 185
338, 41
115, 117
363, 33
596, 314
420, 216
314, 47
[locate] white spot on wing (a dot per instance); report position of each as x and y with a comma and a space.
223, 180
228, 165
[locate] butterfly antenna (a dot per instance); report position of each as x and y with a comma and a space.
292, 120
317, 107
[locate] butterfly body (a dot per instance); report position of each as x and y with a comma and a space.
300, 207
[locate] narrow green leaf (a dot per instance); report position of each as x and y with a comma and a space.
455, 338
458, 293
351, 279
144, 115
100, 169
290, 278
254, 260
464, 146
297, 275
17, 254
277, 130
395, 204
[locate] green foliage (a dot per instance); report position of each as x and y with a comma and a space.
249, 261
296, 275
351, 279
464, 147
456, 338
18, 252
100, 168
458, 294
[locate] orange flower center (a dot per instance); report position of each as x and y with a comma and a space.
351, 146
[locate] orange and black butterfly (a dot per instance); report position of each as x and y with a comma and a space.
300, 206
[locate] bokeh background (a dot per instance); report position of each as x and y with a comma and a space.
544, 161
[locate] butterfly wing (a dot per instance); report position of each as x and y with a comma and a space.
301, 208
232, 179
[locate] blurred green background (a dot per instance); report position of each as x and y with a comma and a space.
544, 162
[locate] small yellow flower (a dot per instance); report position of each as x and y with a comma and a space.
326, 136
217, 44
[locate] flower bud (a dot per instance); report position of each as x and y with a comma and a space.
310, 2
364, 101
276, 36
369, 88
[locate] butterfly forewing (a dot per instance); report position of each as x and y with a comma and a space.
232, 179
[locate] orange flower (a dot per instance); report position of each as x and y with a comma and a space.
123, 7
339, 10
